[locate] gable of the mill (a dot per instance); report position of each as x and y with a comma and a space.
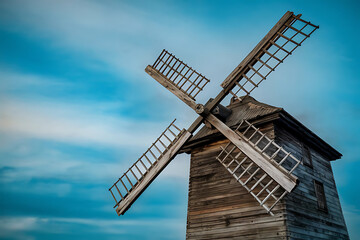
220, 208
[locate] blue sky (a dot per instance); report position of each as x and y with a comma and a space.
77, 108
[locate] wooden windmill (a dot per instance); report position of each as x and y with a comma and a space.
262, 168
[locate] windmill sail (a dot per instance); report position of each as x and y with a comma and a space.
267, 147
275, 170
185, 78
138, 177
287, 35
259, 164
267, 191
175, 75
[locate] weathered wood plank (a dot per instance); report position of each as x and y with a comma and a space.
303, 219
288, 182
235, 73
171, 87
153, 172
220, 208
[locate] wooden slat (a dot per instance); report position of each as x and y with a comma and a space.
153, 172
171, 87
286, 181
113, 195
257, 72
148, 158
164, 63
129, 180
124, 185
157, 61
272, 55
289, 39
139, 170
258, 182
252, 175
122, 197
220, 208
232, 78
143, 164
134, 175
264, 63
280, 47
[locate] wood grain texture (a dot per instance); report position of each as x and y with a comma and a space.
220, 208
288, 182
171, 87
303, 219
233, 76
152, 174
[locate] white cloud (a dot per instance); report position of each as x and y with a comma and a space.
10, 225
80, 124
48, 163
74, 123
52, 164
124, 37
352, 217
18, 223
11, 80
179, 168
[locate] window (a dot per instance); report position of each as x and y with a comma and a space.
320, 195
306, 156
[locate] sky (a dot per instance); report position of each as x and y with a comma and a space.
77, 108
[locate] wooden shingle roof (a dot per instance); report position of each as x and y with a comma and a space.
260, 113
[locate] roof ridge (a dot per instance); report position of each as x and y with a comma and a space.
249, 99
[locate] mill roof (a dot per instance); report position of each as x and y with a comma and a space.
260, 113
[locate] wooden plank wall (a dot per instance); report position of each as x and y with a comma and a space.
303, 219
220, 208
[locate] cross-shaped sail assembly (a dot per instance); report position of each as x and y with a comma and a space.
260, 165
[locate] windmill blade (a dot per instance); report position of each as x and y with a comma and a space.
280, 42
287, 35
185, 82
253, 178
274, 169
267, 147
139, 176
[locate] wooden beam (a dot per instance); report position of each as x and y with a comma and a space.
170, 86
234, 75
288, 182
152, 174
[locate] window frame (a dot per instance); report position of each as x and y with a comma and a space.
306, 154
320, 197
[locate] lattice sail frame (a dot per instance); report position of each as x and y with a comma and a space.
133, 176
186, 79
186, 83
278, 48
254, 179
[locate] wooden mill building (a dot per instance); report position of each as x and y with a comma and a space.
220, 208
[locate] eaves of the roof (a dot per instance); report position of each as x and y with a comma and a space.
261, 113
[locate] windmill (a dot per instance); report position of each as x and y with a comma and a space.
256, 165
250, 156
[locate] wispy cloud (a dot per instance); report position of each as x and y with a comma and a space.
18, 223
12, 226
61, 167
69, 168
11, 80
352, 217
73, 123
57, 145
121, 35
21, 123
